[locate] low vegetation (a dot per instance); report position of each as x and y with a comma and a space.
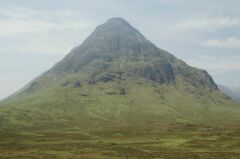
175, 141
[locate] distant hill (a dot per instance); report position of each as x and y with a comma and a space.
234, 93
115, 78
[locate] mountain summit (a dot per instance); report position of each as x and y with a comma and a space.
118, 77
113, 38
116, 32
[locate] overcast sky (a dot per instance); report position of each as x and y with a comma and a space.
35, 34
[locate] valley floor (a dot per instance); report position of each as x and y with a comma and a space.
158, 142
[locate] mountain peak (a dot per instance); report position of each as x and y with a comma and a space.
119, 23
117, 20
117, 31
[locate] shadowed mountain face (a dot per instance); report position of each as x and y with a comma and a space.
118, 77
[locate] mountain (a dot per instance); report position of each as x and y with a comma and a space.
234, 93
117, 49
115, 78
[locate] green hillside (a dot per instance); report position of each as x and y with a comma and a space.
125, 102
131, 118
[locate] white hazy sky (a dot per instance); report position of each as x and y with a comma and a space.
35, 34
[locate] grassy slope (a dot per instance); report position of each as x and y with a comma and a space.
123, 102
99, 121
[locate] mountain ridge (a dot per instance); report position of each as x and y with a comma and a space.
234, 93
